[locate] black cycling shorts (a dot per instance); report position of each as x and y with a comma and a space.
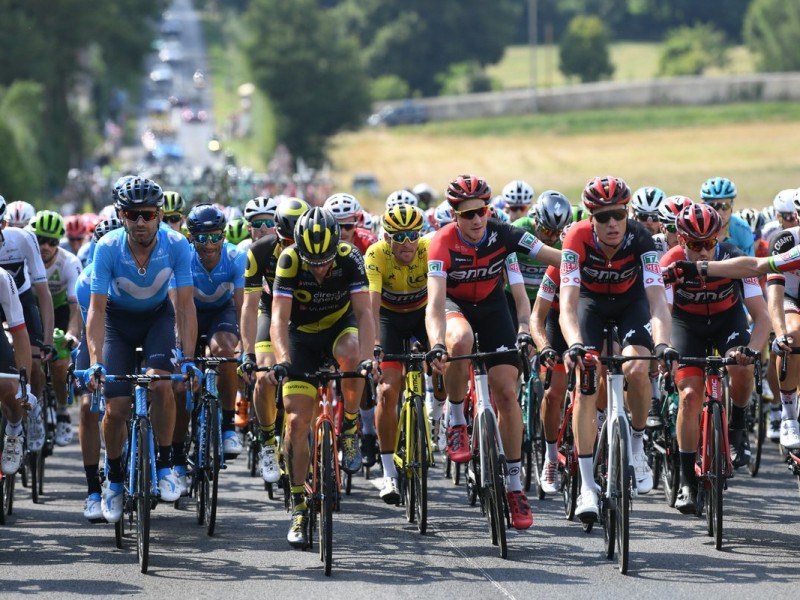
554, 334
307, 351
632, 316
691, 334
397, 327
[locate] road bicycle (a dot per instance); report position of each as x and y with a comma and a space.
792, 454
324, 483
756, 424
533, 442
141, 493
487, 470
7, 482
413, 449
33, 475
714, 466
661, 443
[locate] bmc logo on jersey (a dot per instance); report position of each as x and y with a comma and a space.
569, 262
650, 260
435, 266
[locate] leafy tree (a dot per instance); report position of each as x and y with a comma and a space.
21, 110
771, 33
691, 50
312, 74
389, 87
583, 51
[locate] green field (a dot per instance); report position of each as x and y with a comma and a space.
633, 61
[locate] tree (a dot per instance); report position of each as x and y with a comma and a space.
312, 74
583, 51
21, 110
691, 50
770, 32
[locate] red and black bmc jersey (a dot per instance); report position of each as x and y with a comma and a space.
475, 271
711, 295
633, 267
363, 239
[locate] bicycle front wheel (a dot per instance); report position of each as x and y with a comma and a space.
670, 474
757, 430
607, 514
7, 497
142, 493
716, 478
212, 467
327, 483
420, 464
493, 485
34, 460
623, 497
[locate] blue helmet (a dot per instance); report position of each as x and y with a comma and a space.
139, 192
204, 218
718, 188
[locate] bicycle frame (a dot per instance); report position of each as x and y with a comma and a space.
327, 411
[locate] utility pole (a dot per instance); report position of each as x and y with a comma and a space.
532, 25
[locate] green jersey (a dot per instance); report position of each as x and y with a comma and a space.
532, 270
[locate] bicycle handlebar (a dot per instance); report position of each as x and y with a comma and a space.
139, 379
725, 361
614, 359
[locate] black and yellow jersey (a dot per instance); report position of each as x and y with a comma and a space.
317, 306
262, 261
403, 288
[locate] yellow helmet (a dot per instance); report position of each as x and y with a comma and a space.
403, 217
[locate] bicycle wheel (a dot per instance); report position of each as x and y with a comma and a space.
202, 442
420, 464
624, 481
408, 435
142, 493
493, 485
717, 479
8, 497
607, 516
670, 472
212, 467
757, 430
327, 483
34, 459
569, 484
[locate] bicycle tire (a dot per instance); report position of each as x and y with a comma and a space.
327, 475
8, 496
496, 490
670, 472
33, 464
420, 464
569, 486
757, 430
623, 498
405, 476
213, 467
606, 516
142, 493
202, 442
717, 474
40, 474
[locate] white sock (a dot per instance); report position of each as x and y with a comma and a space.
457, 416
789, 405
585, 463
387, 460
14, 429
637, 441
514, 469
368, 421
552, 452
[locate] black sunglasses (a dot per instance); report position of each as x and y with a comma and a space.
134, 215
45, 241
604, 217
172, 219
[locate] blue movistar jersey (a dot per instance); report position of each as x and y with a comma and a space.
215, 289
83, 290
740, 235
136, 289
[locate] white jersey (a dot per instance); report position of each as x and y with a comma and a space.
20, 256
783, 241
62, 274
9, 301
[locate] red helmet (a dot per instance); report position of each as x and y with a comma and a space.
90, 221
671, 207
467, 187
75, 226
698, 222
605, 191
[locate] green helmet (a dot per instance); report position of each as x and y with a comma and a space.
49, 224
236, 230
579, 213
173, 202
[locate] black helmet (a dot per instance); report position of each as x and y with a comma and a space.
139, 193
204, 218
286, 216
316, 236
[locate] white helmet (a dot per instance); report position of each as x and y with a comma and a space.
19, 213
784, 201
647, 200
260, 205
231, 213
769, 212
344, 206
109, 211
796, 199
370, 222
401, 197
443, 214
517, 193
424, 191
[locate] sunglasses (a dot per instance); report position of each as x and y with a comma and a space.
647, 217
172, 219
604, 217
75, 238
516, 208
44, 241
472, 213
789, 216
671, 228
347, 226
208, 238
135, 215
718, 206
402, 236
699, 246
259, 223
547, 232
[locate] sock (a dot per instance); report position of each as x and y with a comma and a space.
688, 460
227, 420
737, 417
164, 460
457, 416
552, 452
350, 425
115, 473
387, 460
585, 463
179, 453
637, 441
514, 469
368, 421
266, 435
14, 429
788, 404
93, 478
298, 497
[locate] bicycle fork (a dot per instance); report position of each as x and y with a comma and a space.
484, 404
616, 416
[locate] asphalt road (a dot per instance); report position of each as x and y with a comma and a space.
50, 551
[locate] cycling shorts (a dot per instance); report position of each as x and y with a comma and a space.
153, 331
61, 317
81, 364
632, 316
554, 335
8, 363
263, 339
691, 335
33, 318
397, 327
791, 305
307, 351
491, 320
211, 321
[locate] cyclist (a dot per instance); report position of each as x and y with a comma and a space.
350, 217
609, 270
63, 269
465, 294
15, 354
20, 213
75, 229
130, 307
260, 216
320, 308
20, 256
720, 193
236, 231
517, 199
645, 204
397, 268
711, 310
174, 206
259, 277
668, 212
